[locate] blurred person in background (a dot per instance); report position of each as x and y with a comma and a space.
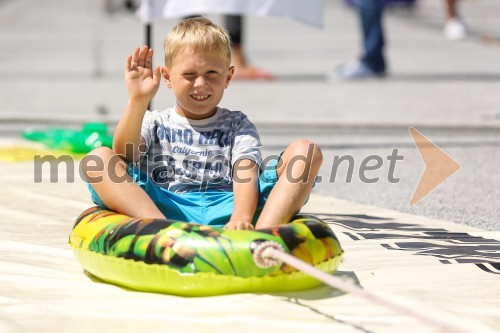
372, 62
243, 70
454, 28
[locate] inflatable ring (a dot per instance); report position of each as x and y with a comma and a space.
197, 260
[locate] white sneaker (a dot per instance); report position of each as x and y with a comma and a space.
454, 29
353, 70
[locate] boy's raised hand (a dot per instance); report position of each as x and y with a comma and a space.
141, 80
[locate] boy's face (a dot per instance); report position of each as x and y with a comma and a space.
198, 81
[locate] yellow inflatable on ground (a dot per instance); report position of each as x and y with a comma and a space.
196, 260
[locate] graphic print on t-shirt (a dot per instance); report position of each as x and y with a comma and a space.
186, 155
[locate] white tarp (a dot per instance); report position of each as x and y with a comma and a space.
306, 11
447, 270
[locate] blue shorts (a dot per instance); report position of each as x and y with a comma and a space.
211, 207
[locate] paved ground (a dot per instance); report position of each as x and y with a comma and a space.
62, 63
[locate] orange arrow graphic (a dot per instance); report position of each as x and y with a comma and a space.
439, 166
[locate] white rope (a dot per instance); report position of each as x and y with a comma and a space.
272, 253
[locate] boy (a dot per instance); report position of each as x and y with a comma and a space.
198, 162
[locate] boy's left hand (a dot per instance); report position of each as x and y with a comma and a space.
239, 225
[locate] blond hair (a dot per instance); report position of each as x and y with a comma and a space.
202, 35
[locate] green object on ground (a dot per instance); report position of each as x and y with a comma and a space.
92, 135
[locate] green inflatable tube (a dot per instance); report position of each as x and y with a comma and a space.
189, 259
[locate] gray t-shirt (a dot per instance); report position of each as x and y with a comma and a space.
184, 155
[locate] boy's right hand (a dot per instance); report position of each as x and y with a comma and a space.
141, 80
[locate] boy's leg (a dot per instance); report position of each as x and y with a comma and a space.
297, 171
107, 174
